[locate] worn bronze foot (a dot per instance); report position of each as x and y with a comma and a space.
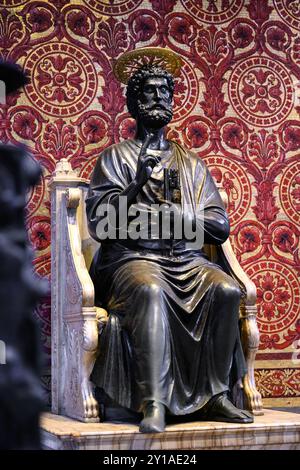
154, 418
221, 409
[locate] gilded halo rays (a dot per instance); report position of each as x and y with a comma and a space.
131, 61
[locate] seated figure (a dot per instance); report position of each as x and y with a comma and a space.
172, 342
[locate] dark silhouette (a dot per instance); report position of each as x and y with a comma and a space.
21, 398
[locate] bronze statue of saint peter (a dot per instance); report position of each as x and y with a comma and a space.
171, 344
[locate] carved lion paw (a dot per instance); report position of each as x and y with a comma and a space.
253, 396
91, 409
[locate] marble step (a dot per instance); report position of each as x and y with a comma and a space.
274, 430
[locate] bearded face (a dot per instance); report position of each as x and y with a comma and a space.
154, 104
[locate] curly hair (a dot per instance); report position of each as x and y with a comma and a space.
137, 80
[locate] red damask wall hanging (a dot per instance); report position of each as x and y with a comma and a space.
237, 104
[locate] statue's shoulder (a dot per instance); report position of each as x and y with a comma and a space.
112, 149
191, 156
120, 151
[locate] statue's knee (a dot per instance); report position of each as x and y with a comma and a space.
150, 290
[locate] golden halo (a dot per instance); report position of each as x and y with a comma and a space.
131, 61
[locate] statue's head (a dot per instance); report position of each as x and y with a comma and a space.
150, 95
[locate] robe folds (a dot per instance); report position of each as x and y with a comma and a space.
172, 334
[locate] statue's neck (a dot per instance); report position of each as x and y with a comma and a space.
158, 142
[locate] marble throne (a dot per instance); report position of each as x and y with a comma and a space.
76, 323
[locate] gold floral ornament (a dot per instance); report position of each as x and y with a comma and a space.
131, 61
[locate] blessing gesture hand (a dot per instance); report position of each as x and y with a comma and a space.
146, 163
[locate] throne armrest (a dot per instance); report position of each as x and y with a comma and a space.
229, 262
73, 242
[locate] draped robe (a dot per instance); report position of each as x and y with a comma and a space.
172, 335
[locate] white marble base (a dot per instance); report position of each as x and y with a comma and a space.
273, 430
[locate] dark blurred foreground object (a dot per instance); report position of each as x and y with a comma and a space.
21, 396
12, 75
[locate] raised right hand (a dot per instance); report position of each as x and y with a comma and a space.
146, 163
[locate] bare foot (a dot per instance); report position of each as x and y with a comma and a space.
221, 409
154, 418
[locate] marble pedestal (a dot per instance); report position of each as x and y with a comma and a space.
274, 430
